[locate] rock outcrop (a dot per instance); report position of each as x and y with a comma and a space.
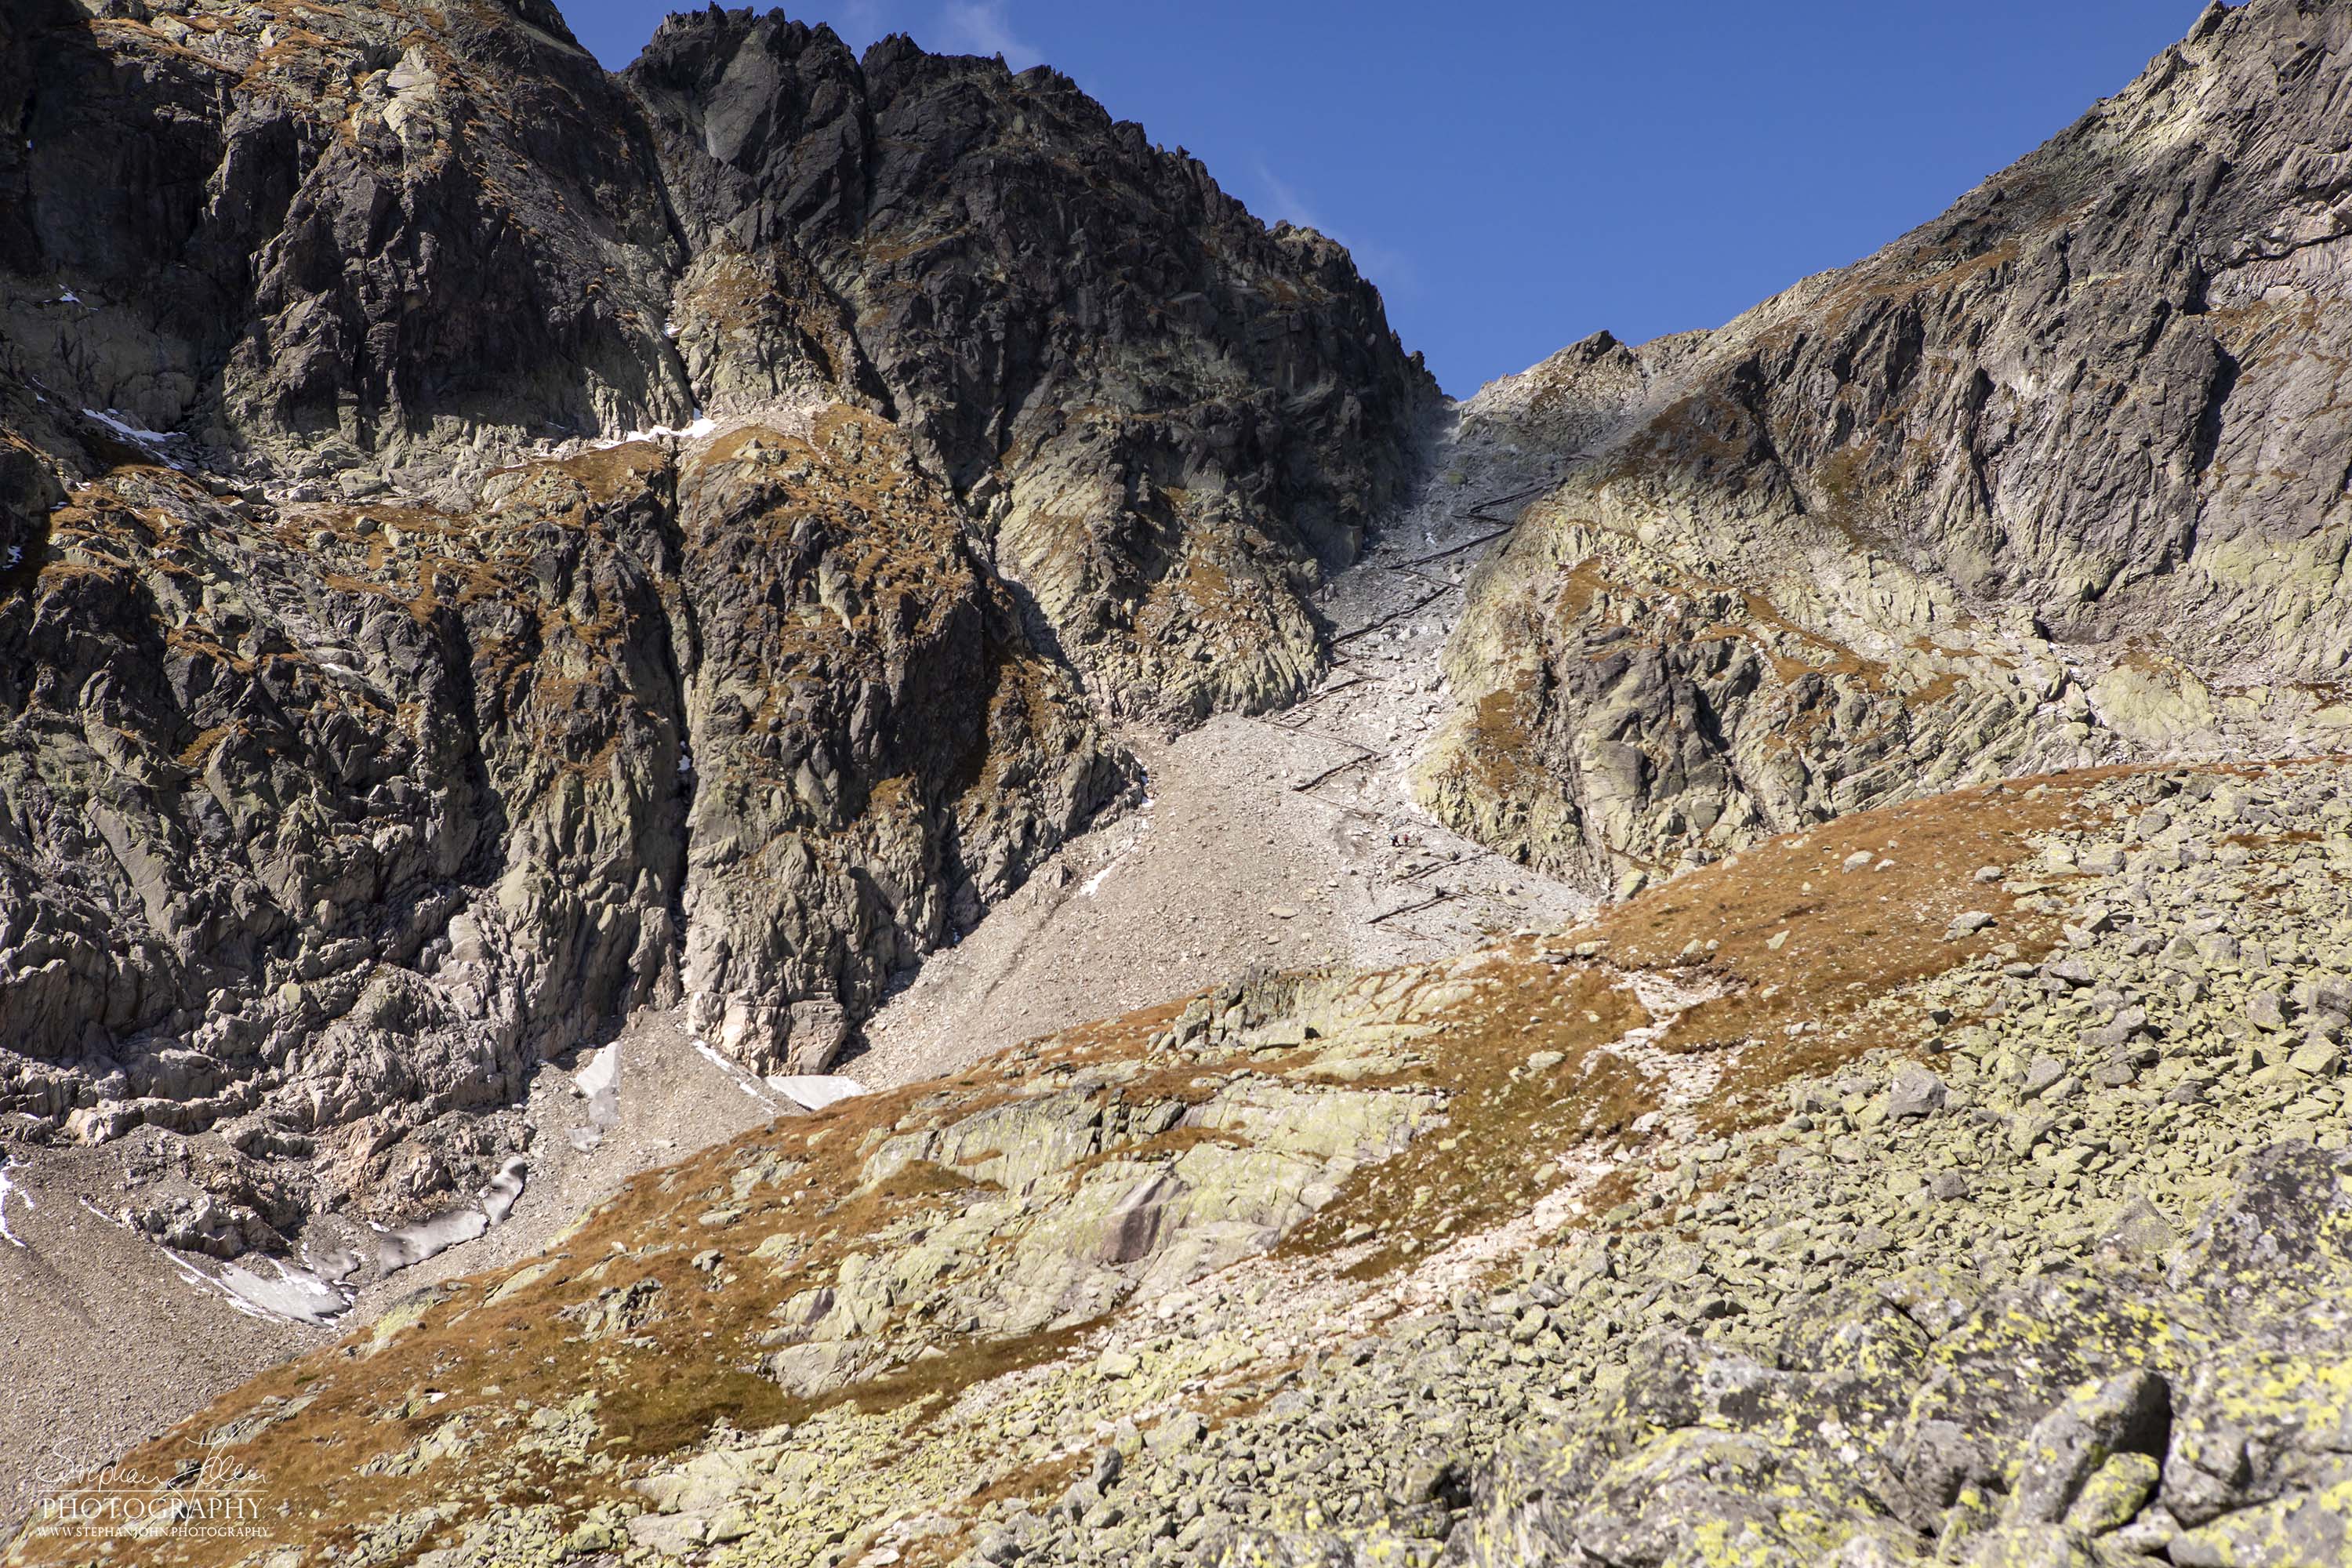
350, 244
2051, 480
329, 823
490, 545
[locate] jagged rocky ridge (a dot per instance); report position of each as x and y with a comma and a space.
1963, 1183
1167, 415
377, 726
2056, 479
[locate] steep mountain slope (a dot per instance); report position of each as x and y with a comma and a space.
1169, 415
483, 560
1943, 1184
2056, 479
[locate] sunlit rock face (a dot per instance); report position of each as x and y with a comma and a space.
2052, 480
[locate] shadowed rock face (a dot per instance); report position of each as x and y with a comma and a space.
2055, 479
879, 755
348, 239
371, 734
1167, 417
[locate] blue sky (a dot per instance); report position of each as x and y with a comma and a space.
1516, 176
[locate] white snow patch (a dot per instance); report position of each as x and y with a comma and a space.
814, 1091
603, 1071
16, 554
69, 297
151, 439
209, 1286
9, 1189
297, 1295
703, 426
334, 1266
114, 421
669, 329
736, 1074
600, 1082
505, 1189
403, 1246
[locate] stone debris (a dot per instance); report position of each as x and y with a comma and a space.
1948, 1298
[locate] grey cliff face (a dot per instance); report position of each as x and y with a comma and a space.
357, 245
379, 722
1166, 418
2056, 479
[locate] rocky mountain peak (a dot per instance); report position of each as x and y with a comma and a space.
497, 546
1014, 258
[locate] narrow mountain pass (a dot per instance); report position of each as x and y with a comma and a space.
1281, 840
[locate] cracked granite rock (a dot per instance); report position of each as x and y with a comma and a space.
2051, 480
